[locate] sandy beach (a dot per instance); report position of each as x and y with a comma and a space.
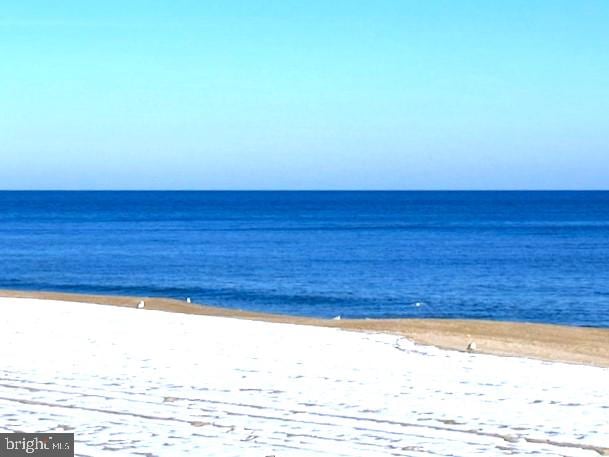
540, 341
128, 381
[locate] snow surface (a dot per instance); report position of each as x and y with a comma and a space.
143, 382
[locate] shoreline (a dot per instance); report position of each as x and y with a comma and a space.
129, 382
556, 343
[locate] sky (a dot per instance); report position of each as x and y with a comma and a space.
310, 94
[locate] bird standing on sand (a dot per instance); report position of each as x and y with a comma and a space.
140, 305
187, 299
471, 347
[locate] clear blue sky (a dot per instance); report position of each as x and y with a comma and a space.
304, 94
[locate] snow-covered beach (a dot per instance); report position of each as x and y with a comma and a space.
145, 382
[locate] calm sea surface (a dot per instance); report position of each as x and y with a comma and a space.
524, 256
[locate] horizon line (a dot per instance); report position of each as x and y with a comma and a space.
304, 190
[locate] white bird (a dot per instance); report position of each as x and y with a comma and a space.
187, 299
336, 318
140, 305
471, 347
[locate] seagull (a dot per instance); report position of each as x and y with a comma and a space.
140, 305
187, 299
336, 318
471, 347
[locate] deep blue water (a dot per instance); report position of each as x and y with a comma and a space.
524, 256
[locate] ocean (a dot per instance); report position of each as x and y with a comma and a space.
518, 256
